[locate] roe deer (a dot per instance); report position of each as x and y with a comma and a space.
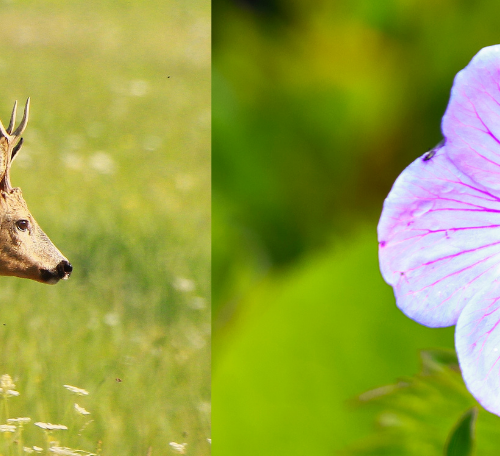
25, 250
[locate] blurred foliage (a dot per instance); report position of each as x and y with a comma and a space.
303, 344
415, 415
317, 109
116, 169
431, 413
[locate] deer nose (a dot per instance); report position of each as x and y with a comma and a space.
64, 269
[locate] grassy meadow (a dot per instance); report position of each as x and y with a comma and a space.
115, 167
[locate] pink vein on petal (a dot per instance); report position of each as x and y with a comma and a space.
452, 274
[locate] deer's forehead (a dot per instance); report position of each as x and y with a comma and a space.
13, 202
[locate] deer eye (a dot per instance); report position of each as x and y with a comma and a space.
22, 225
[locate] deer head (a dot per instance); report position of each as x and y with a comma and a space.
25, 250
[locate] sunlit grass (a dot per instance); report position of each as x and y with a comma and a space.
115, 168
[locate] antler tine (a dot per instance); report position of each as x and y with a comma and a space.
24, 121
12, 119
3, 131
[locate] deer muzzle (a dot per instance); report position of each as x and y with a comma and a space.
61, 272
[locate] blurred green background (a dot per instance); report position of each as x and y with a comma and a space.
318, 106
115, 167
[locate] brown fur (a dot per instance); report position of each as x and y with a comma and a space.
25, 250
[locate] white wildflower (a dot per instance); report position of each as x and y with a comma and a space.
7, 386
28, 450
51, 427
197, 303
6, 382
179, 448
7, 428
10, 393
81, 410
73, 161
183, 284
139, 87
19, 421
37, 449
102, 163
77, 391
63, 451
112, 319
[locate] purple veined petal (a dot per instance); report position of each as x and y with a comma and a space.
471, 123
477, 340
439, 239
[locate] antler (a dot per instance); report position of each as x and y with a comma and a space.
13, 145
7, 133
22, 126
12, 119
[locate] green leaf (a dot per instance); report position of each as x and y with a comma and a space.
413, 416
461, 441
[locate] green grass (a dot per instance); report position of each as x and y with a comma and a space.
116, 169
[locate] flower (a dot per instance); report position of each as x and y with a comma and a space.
81, 410
439, 233
19, 421
7, 428
63, 451
51, 427
6, 382
179, 448
77, 391
7, 386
